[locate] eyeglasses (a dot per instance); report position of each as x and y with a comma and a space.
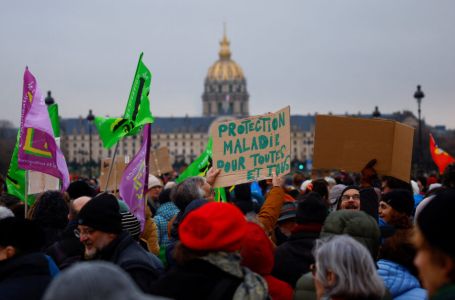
347, 197
78, 233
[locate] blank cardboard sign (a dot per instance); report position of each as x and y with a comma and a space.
160, 161
252, 148
350, 143
116, 173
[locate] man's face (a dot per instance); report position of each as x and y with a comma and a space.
432, 274
7, 252
350, 200
94, 240
155, 191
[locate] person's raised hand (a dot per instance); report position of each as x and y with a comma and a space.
212, 173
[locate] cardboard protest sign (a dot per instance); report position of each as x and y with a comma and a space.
350, 143
116, 174
38, 182
160, 162
252, 148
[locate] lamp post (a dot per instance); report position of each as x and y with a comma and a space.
419, 95
49, 100
90, 119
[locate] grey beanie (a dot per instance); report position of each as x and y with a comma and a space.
94, 280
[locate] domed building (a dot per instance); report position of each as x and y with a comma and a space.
225, 96
225, 91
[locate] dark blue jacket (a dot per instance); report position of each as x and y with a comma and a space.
24, 277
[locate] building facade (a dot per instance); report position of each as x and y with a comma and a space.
225, 95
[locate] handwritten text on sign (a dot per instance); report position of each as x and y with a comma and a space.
252, 148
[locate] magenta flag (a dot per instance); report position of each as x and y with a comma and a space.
133, 185
38, 150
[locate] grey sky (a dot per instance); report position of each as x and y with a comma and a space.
317, 56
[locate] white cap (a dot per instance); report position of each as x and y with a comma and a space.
154, 181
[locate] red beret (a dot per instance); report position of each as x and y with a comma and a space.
213, 227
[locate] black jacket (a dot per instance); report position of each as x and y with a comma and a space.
24, 277
197, 279
142, 266
294, 257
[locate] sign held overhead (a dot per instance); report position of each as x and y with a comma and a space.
350, 143
252, 148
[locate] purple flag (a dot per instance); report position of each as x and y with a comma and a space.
38, 150
133, 185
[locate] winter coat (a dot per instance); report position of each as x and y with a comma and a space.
271, 209
294, 257
401, 284
215, 276
163, 215
356, 224
150, 233
24, 277
141, 265
68, 249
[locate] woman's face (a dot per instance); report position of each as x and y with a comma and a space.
385, 211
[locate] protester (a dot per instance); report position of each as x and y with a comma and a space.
396, 207
258, 255
100, 230
80, 188
50, 211
164, 214
150, 234
155, 186
334, 195
14, 204
24, 271
285, 223
208, 263
294, 257
396, 268
344, 269
435, 259
357, 224
349, 198
94, 281
68, 249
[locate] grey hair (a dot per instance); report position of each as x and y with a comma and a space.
188, 190
5, 213
353, 267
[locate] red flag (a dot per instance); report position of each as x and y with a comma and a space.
441, 158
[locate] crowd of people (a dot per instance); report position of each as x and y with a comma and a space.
338, 237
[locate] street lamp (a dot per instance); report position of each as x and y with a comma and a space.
419, 95
49, 100
90, 119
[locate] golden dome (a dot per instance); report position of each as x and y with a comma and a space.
225, 68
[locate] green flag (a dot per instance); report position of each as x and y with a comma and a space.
53, 115
199, 167
15, 178
137, 111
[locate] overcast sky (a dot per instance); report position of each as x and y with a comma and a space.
317, 56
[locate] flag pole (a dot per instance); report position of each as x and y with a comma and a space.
110, 167
26, 195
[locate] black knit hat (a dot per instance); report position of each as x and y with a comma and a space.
311, 209
400, 200
80, 188
25, 235
102, 213
436, 220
